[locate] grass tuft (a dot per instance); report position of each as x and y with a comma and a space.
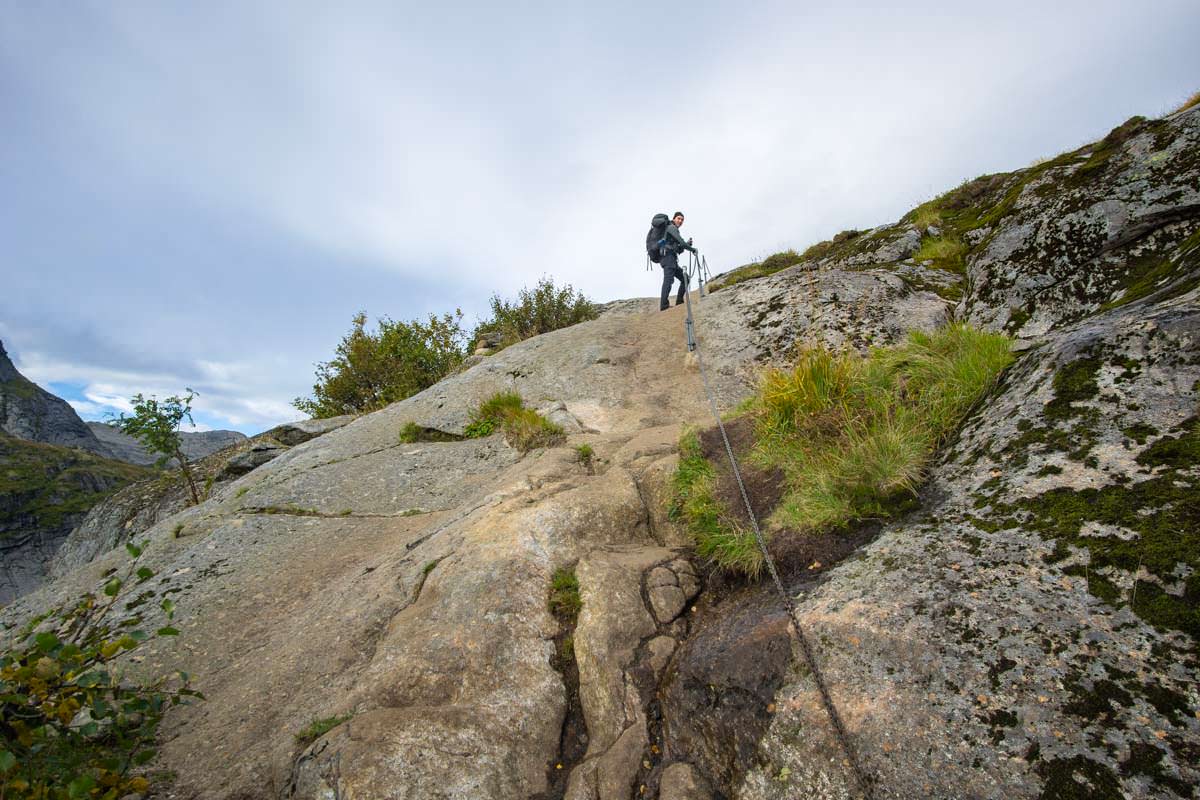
852, 436
946, 252
319, 727
565, 601
523, 427
1191, 102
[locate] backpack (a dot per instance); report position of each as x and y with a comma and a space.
655, 239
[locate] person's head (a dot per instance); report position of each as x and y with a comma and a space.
678, 218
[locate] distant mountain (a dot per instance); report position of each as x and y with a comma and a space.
195, 445
45, 491
27, 411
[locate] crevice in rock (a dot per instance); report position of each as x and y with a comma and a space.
573, 739
428, 568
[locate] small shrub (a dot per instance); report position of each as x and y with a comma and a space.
178, 529
542, 309
411, 432
66, 662
372, 370
241, 491
319, 727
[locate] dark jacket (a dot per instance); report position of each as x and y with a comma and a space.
675, 241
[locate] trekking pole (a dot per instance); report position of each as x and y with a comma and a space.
689, 326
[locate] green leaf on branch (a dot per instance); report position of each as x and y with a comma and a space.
168, 631
112, 587
144, 574
46, 642
133, 549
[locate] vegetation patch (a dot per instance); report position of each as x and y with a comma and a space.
412, 432
46, 486
759, 269
319, 727
850, 437
946, 252
542, 309
565, 603
1164, 511
523, 427
74, 722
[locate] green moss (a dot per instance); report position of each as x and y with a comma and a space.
1150, 272
1078, 778
1164, 510
1139, 432
1073, 383
45, 485
1146, 759
411, 432
1091, 702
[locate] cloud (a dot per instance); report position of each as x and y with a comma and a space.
203, 196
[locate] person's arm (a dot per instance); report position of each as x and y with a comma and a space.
675, 240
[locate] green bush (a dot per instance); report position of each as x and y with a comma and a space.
73, 722
373, 370
539, 310
852, 436
523, 427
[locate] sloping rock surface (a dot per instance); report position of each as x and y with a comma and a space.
1029, 631
405, 585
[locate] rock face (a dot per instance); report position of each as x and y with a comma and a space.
1029, 631
196, 444
29, 412
45, 491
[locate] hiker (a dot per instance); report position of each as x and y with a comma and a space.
673, 245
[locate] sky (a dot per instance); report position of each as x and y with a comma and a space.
204, 195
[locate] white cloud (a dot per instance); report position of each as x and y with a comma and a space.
395, 144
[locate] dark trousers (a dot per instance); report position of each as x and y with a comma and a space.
671, 273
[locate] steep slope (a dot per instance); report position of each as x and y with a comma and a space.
1032, 631
1029, 631
406, 584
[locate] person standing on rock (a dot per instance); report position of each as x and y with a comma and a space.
673, 245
